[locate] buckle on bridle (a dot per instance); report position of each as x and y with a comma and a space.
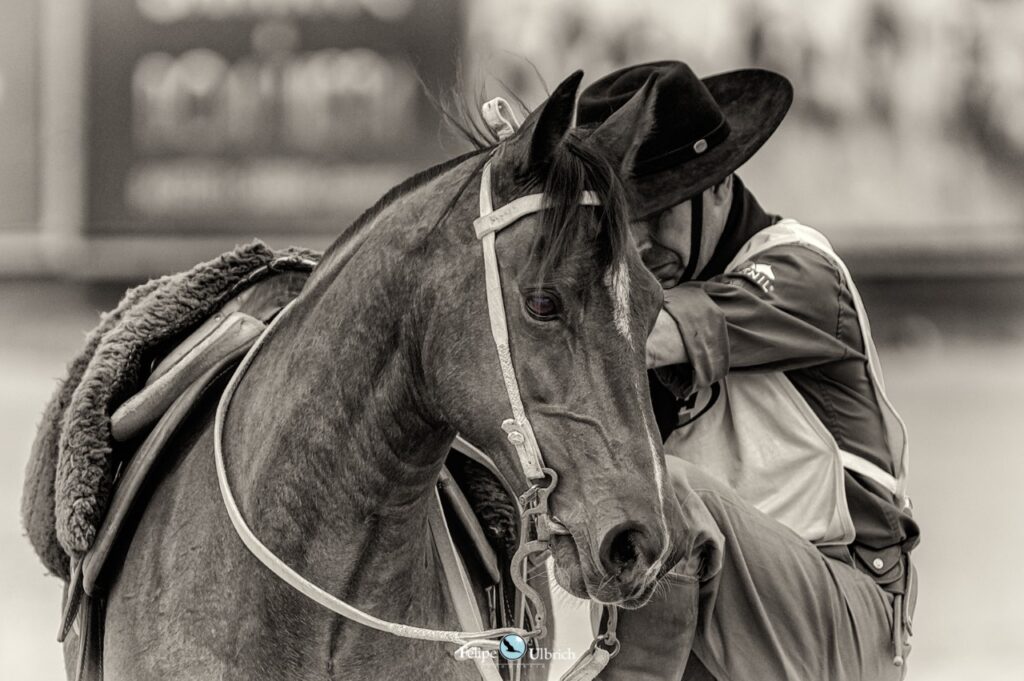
535, 529
609, 640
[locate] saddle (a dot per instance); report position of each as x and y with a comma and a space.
175, 386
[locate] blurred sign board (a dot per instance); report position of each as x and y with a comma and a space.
259, 116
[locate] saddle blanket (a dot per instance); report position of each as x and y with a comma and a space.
74, 458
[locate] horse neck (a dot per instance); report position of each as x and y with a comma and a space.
336, 455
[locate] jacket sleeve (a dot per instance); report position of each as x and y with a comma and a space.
785, 309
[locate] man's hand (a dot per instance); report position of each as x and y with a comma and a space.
665, 345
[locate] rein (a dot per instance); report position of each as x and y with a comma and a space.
537, 523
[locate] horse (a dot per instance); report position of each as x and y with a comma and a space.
338, 429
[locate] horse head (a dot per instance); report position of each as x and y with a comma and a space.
578, 305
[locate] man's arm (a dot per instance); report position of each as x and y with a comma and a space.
783, 310
665, 344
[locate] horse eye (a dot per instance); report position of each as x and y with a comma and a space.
541, 306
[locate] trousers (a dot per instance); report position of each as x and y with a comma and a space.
753, 601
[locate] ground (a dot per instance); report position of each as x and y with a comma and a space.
962, 399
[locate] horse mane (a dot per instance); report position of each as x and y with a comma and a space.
574, 167
461, 117
396, 192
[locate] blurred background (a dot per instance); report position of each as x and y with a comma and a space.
142, 136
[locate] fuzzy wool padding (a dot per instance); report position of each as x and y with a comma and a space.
493, 507
71, 468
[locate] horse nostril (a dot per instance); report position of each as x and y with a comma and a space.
624, 547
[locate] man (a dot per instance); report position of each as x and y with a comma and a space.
789, 461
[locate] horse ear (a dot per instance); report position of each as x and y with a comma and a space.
548, 125
622, 133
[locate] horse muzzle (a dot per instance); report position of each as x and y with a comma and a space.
622, 570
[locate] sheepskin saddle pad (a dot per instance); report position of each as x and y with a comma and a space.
71, 469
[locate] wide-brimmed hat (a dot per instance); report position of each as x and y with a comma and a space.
703, 129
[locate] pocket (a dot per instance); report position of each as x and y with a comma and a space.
884, 565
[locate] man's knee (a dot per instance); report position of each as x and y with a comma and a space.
702, 536
718, 521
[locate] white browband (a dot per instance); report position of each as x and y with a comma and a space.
517, 428
497, 220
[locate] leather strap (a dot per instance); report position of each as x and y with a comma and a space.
497, 220
590, 664
135, 474
460, 588
467, 520
186, 347
90, 641
696, 235
861, 466
231, 335
518, 428
474, 453
500, 117
72, 601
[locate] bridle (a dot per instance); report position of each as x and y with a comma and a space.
537, 525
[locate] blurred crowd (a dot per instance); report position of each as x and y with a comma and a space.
929, 90
912, 65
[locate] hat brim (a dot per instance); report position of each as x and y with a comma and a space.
754, 102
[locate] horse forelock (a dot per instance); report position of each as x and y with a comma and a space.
568, 229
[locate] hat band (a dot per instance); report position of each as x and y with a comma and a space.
684, 153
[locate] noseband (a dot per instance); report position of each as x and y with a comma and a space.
537, 524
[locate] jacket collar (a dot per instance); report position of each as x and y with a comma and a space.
746, 218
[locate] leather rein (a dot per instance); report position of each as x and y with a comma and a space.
537, 524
